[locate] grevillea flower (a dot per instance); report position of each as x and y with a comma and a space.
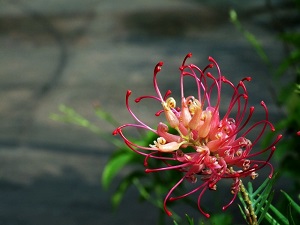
206, 146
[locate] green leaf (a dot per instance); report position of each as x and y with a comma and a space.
279, 215
271, 220
114, 165
240, 207
143, 191
267, 184
221, 218
275, 213
265, 195
123, 186
249, 36
293, 58
174, 221
118, 195
70, 116
264, 210
257, 202
190, 220
291, 38
250, 188
103, 115
293, 203
290, 216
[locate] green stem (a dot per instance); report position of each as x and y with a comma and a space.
156, 202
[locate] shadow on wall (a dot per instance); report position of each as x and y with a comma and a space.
63, 199
174, 22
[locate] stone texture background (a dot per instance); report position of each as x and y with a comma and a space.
81, 52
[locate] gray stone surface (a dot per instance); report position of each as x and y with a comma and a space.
81, 52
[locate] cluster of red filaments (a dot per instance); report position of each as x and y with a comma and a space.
219, 146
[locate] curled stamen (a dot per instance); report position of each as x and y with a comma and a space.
189, 55
199, 204
167, 94
132, 114
156, 70
235, 192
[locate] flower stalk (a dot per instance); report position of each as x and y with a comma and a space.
251, 217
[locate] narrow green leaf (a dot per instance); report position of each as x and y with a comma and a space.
118, 195
103, 115
264, 199
271, 220
250, 189
250, 37
257, 46
123, 187
175, 222
156, 201
293, 203
297, 88
142, 190
242, 199
114, 165
266, 207
261, 187
290, 216
279, 215
264, 195
294, 57
70, 116
292, 38
190, 220
221, 218
233, 16
242, 212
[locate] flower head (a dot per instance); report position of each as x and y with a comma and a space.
206, 146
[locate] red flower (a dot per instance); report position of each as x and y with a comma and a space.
220, 147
